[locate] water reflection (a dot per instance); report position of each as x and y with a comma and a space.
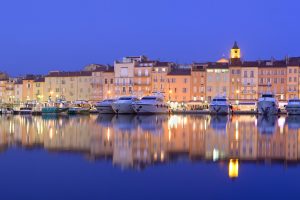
139, 141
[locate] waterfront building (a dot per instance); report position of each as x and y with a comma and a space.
249, 82
39, 89
179, 80
18, 90
292, 79
71, 86
142, 78
272, 78
124, 75
27, 88
159, 78
217, 80
198, 82
103, 84
3, 83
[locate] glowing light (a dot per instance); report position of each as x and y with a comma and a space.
215, 154
108, 134
233, 168
162, 156
281, 122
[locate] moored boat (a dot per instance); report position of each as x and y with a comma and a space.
293, 107
79, 107
267, 104
220, 105
153, 104
105, 106
57, 107
123, 105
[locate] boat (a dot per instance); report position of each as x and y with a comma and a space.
105, 107
28, 108
152, 104
267, 104
79, 107
7, 111
219, 105
293, 107
123, 105
59, 106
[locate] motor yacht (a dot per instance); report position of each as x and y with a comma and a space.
220, 105
153, 104
79, 107
293, 107
123, 105
105, 106
267, 104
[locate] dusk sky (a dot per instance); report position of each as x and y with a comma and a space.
37, 36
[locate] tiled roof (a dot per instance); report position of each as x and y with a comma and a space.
69, 74
214, 65
40, 79
250, 64
179, 72
105, 69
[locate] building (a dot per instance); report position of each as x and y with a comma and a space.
124, 75
71, 86
272, 78
159, 77
179, 81
217, 80
103, 83
198, 82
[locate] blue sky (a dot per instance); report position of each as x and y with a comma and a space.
37, 36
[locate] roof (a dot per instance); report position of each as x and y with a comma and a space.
235, 45
215, 65
104, 69
180, 72
40, 79
69, 74
199, 66
250, 64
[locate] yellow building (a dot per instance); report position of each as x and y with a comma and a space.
39, 89
249, 81
70, 86
27, 88
142, 78
159, 77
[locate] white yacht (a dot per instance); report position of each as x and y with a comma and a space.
123, 105
293, 107
219, 105
153, 104
105, 106
267, 104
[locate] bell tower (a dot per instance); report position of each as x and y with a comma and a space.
235, 52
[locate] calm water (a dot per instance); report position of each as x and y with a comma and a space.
149, 157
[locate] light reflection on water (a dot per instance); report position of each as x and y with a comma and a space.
139, 141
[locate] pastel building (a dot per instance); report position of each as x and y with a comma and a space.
68, 85
198, 82
103, 83
180, 85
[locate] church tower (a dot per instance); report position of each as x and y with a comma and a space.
235, 52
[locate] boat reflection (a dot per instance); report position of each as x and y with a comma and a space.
139, 141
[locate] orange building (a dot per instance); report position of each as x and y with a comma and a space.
272, 78
198, 82
179, 81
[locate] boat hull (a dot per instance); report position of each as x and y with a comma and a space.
122, 108
293, 110
53, 110
150, 109
219, 109
105, 110
267, 108
78, 111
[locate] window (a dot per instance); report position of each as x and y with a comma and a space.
105, 81
57, 89
111, 81
252, 74
163, 69
184, 90
146, 72
245, 74
185, 80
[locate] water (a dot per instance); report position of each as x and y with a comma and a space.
149, 157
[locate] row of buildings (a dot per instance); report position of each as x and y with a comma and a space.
237, 79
